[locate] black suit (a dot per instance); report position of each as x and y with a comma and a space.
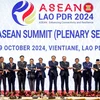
40, 76
64, 75
53, 75
77, 77
87, 75
3, 76
21, 75
97, 76
11, 76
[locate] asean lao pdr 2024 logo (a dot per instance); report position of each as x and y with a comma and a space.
23, 13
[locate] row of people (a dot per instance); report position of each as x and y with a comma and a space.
37, 72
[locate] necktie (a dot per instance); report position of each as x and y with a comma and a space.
11, 65
2, 65
41, 64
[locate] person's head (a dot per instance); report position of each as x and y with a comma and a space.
76, 60
1, 59
64, 58
11, 59
40, 60
31, 61
97, 61
21, 58
87, 58
53, 58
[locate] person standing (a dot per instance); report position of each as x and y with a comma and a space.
31, 74
3, 74
11, 74
53, 73
64, 73
22, 73
77, 75
87, 74
40, 74
96, 68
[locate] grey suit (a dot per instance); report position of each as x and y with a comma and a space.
31, 76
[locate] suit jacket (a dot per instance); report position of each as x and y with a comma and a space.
2, 68
21, 66
53, 68
96, 73
11, 69
42, 70
64, 65
87, 67
31, 73
76, 74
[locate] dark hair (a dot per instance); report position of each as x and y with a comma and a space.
63, 56
87, 57
40, 58
31, 59
22, 56
1, 57
11, 58
76, 59
53, 56
97, 60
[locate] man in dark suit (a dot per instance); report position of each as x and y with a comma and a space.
77, 75
11, 74
64, 73
96, 75
53, 73
87, 74
3, 71
40, 74
22, 73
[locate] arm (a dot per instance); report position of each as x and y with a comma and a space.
39, 68
21, 66
78, 68
64, 65
74, 69
95, 68
10, 69
87, 67
51, 64
43, 68
28, 67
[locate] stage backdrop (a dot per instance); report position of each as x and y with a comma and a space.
42, 28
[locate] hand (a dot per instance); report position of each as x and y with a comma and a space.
83, 69
28, 70
78, 70
47, 67
70, 67
38, 69
73, 68
96, 69
1, 72
25, 68
34, 68
61, 68
16, 70
7, 71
